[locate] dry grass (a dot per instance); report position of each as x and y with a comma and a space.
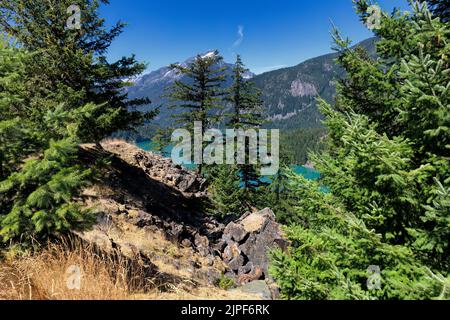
45, 275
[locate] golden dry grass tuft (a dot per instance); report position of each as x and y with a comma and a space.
45, 275
51, 275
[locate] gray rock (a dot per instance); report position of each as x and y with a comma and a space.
220, 246
176, 230
235, 232
256, 222
259, 288
213, 275
258, 245
202, 245
246, 269
143, 219
236, 263
231, 252
189, 183
249, 240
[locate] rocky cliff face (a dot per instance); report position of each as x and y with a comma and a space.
290, 94
149, 209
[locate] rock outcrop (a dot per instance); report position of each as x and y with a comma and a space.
148, 208
300, 88
158, 168
246, 242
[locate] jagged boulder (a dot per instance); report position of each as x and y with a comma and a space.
234, 232
163, 169
158, 168
246, 242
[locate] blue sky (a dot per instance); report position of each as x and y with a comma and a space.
269, 34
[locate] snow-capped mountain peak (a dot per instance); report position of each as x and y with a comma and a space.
166, 75
209, 54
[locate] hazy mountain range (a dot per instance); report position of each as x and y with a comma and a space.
289, 94
154, 85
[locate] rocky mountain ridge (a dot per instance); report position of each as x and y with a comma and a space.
289, 94
155, 85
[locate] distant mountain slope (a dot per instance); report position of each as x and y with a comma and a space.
290, 94
155, 84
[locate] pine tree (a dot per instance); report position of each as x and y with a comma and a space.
387, 167
58, 91
246, 103
408, 85
332, 251
41, 194
201, 94
12, 93
278, 194
35, 194
371, 174
245, 99
160, 140
434, 241
226, 192
69, 66
440, 8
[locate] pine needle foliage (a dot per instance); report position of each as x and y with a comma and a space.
387, 166
57, 91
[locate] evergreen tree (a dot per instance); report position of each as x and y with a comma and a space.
226, 192
39, 197
58, 91
440, 8
12, 93
69, 65
246, 103
332, 253
387, 166
245, 99
201, 94
416, 113
160, 140
433, 241
278, 195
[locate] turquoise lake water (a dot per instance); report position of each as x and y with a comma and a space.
308, 173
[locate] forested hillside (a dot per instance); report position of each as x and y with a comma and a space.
290, 94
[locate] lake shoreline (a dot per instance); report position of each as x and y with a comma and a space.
308, 171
